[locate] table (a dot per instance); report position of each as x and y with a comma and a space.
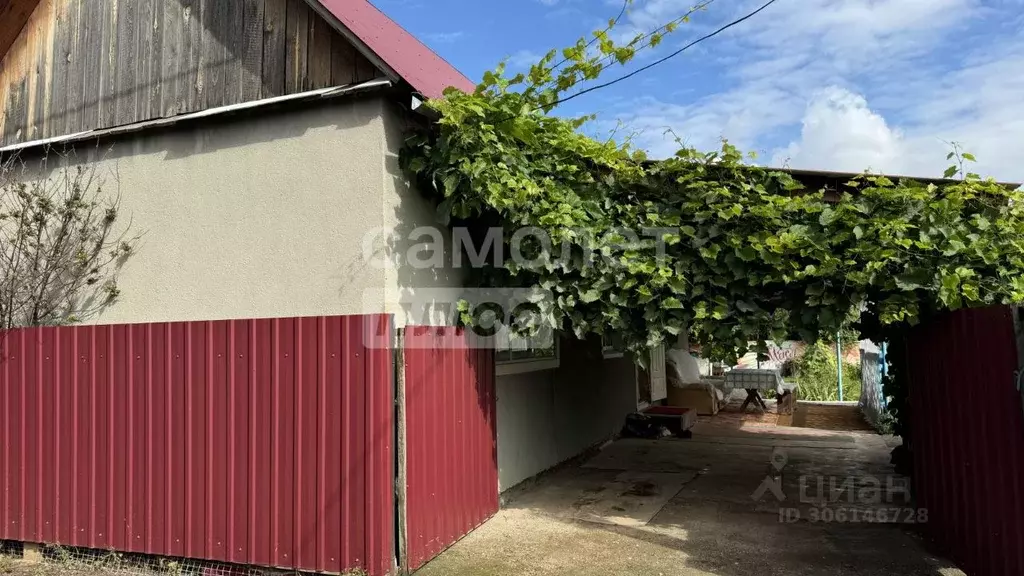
753, 381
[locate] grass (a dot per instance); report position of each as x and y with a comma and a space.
69, 561
816, 388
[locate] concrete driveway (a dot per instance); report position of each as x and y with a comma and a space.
710, 505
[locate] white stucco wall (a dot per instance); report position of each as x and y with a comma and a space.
421, 285
251, 216
265, 215
548, 417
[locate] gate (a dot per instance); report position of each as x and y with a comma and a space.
872, 397
451, 463
254, 442
968, 438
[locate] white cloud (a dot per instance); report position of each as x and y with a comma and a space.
523, 59
444, 37
980, 106
740, 115
864, 83
842, 133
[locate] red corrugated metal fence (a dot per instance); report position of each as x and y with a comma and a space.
968, 431
451, 445
263, 442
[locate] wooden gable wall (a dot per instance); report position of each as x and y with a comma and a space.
13, 16
81, 65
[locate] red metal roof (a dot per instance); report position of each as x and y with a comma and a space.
412, 60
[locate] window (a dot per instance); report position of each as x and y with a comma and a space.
518, 355
612, 346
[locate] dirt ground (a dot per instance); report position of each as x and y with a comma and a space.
693, 507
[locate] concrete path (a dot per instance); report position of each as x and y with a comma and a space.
756, 500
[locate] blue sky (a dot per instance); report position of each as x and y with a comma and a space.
824, 84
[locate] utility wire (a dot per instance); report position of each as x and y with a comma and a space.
622, 12
646, 36
661, 60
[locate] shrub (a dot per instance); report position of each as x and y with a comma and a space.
62, 245
817, 373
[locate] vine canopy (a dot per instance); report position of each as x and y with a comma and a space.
703, 242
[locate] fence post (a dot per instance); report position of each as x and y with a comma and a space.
31, 553
401, 476
883, 371
839, 362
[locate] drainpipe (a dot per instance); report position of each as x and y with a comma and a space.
839, 362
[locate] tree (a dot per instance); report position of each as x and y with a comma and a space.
60, 246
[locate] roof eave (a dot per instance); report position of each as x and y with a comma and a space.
393, 49
799, 173
312, 95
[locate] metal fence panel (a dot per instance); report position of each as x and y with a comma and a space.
968, 432
260, 442
451, 443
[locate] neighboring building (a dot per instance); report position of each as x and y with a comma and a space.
255, 145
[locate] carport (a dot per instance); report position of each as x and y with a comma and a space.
709, 505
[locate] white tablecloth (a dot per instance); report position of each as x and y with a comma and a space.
749, 379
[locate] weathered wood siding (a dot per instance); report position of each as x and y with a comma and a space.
80, 65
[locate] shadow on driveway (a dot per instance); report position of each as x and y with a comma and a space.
687, 507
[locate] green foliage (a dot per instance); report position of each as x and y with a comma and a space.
886, 424
818, 375
172, 567
740, 253
61, 554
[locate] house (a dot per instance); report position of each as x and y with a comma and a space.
254, 144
